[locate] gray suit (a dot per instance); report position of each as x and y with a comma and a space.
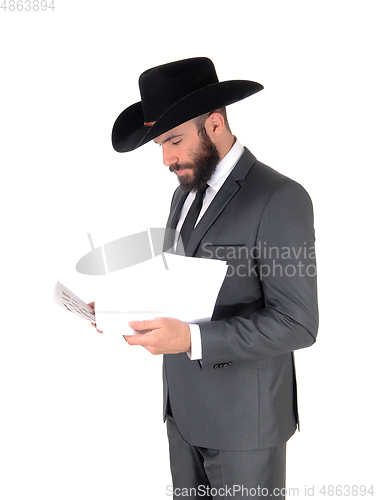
243, 397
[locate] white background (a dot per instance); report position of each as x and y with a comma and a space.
81, 413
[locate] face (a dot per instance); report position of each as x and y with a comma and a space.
191, 156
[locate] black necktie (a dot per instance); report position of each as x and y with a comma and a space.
191, 218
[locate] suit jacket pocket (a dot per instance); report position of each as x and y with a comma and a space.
261, 364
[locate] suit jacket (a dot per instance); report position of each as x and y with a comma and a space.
244, 394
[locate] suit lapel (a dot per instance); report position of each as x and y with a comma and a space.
176, 206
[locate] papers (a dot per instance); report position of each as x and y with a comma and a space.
68, 300
187, 290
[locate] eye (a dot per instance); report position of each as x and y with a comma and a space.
176, 142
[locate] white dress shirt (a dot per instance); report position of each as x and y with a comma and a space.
216, 181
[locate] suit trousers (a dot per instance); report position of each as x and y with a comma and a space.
213, 474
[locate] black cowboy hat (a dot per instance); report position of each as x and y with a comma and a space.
172, 94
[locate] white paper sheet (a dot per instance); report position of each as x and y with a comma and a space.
187, 291
69, 301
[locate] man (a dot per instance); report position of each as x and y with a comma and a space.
229, 383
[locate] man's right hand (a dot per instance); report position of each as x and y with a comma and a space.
92, 305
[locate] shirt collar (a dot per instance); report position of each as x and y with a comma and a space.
225, 166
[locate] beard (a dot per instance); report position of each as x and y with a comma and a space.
204, 162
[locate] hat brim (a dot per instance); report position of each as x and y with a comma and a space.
129, 131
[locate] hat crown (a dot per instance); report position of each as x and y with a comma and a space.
163, 86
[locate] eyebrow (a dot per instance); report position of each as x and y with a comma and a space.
169, 138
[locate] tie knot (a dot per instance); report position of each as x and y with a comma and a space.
201, 191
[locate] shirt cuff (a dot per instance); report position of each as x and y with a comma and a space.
196, 346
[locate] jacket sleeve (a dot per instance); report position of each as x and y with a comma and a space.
286, 270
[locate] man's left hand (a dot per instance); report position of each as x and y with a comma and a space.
163, 336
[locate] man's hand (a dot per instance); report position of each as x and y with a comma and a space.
92, 305
163, 336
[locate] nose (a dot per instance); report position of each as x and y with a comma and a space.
168, 157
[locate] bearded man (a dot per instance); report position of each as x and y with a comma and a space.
230, 396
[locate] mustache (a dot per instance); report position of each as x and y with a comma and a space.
175, 166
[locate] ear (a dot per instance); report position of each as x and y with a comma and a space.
214, 124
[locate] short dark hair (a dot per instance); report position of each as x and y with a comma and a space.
200, 120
